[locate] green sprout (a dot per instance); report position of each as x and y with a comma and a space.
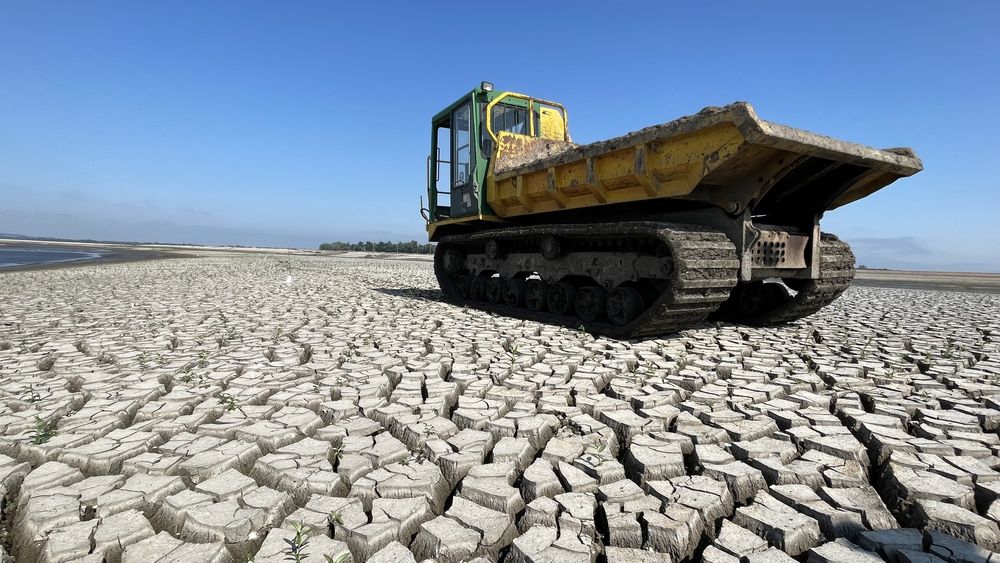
45, 430
297, 544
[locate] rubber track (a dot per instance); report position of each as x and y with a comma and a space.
835, 275
705, 270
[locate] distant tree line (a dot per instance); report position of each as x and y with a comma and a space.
412, 247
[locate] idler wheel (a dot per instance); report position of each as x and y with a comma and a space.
494, 289
477, 289
757, 298
534, 294
513, 293
591, 302
561, 298
624, 304
492, 249
453, 261
551, 248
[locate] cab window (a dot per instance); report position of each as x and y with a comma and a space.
461, 141
510, 118
505, 117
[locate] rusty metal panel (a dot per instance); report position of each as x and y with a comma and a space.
779, 250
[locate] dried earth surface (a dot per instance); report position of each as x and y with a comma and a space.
235, 408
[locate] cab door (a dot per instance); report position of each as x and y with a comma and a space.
464, 196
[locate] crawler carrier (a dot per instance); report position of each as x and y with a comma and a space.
715, 214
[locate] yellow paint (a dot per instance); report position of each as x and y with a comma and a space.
669, 167
552, 124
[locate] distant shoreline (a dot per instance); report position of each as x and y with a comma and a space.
111, 254
938, 281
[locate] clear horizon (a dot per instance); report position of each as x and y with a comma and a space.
241, 124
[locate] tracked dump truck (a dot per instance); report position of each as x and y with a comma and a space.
714, 215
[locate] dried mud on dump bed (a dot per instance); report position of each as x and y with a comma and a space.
235, 408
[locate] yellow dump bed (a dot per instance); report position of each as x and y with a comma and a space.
723, 156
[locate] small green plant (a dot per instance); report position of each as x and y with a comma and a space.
418, 458
297, 544
864, 349
339, 558
949, 348
202, 359
681, 364
231, 403
45, 430
334, 518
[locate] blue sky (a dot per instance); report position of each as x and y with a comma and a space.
294, 123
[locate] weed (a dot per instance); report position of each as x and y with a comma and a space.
509, 348
864, 349
297, 544
418, 458
45, 430
229, 401
339, 558
950, 349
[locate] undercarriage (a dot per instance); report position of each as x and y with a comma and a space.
640, 278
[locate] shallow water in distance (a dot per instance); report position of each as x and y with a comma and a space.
11, 256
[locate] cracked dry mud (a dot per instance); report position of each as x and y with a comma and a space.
205, 410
